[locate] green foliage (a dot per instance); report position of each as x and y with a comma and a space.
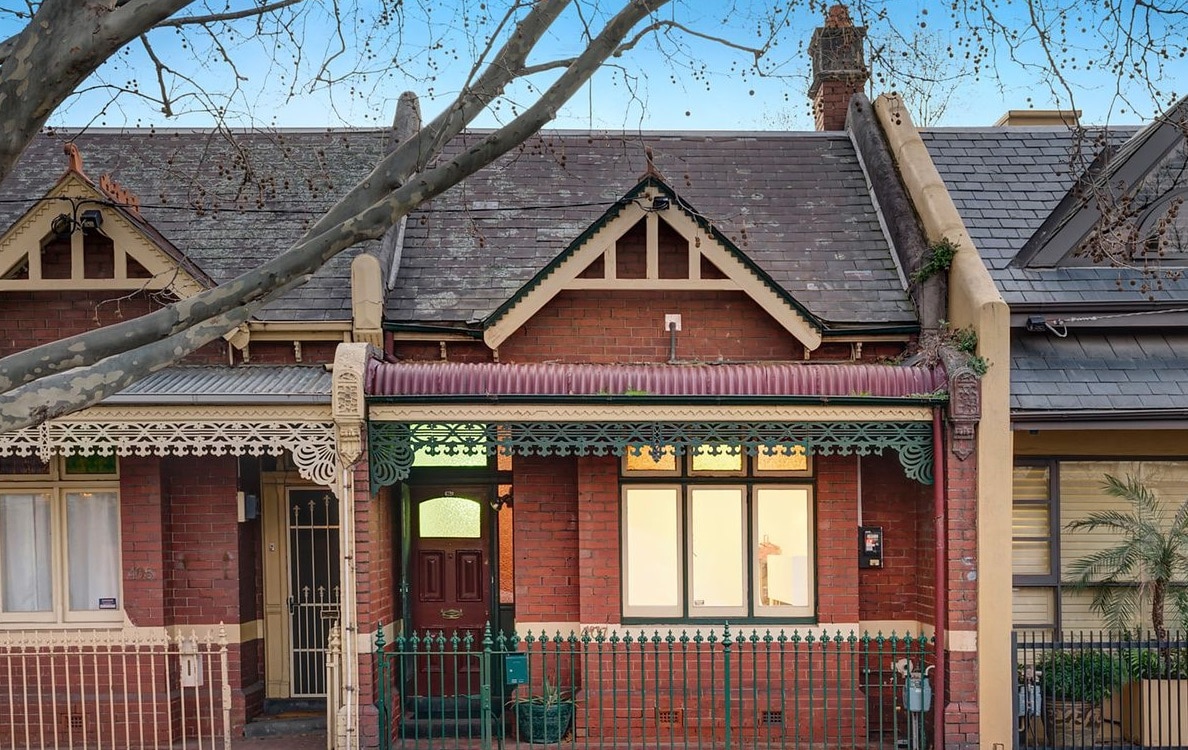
550, 695
1154, 664
1149, 549
940, 258
1079, 675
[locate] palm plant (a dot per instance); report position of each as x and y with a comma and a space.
1151, 551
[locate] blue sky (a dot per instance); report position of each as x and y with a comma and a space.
666, 84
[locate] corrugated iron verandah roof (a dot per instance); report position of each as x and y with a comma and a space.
395, 439
488, 380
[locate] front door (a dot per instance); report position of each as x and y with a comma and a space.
451, 584
301, 585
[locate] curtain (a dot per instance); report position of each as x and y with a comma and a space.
93, 550
26, 572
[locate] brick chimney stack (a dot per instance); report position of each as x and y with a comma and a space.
839, 67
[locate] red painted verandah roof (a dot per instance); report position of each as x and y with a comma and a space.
483, 381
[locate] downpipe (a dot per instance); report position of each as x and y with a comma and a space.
940, 519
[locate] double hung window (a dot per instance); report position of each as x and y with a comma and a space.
59, 540
717, 535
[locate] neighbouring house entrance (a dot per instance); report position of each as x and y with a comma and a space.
451, 585
301, 587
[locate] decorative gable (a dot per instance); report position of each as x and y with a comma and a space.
1126, 209
91, 237
654, 241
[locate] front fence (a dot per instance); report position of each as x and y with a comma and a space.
104, 690
1101, 690
706, 689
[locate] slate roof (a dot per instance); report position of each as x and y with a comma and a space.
1099, 373
1005, 182
255, 384
227, 205
798, 204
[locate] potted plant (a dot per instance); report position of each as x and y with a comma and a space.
1149, 551
544, 718
1074, 684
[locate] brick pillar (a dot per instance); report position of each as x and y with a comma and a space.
837, 545
598, 539
961, 711
546, 539
839, 68
144, 533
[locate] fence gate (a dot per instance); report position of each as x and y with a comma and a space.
313, 586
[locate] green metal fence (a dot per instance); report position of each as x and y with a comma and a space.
722, 688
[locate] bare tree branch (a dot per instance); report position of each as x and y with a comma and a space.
225, 17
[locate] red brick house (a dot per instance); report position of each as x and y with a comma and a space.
617, 383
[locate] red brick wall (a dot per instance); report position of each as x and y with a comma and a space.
837, 548
204, 540
831, 103
628, 326
961, 687
144, 537
546, 538
31, 318
901, 507
598, 539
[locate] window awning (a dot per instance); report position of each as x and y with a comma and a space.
570, 409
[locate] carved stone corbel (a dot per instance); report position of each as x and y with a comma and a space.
349, 405
965, 403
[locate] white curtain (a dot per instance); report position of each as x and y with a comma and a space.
93, 549
26, 572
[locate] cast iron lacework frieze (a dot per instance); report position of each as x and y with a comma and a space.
392, 445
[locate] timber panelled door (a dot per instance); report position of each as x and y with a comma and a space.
301, 586
451, 582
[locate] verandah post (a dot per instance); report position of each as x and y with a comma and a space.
382, 675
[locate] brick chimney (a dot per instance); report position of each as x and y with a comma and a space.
839, 67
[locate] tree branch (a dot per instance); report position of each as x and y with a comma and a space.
262, 10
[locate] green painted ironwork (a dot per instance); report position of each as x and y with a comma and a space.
393, 445
712, 688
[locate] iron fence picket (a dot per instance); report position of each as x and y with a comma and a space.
729, 688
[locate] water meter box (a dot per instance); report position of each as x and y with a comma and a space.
917, 693
515, 669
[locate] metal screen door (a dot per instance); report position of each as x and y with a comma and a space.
313, 586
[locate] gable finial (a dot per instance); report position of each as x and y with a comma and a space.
651, 170
74, 159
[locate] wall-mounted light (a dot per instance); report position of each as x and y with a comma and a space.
660, 203
91, 219
62, 225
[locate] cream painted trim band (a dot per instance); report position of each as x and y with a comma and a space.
235, 633
312, 445
641, 413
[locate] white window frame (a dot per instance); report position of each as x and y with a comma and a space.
57, 484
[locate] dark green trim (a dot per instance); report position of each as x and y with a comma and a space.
427, 328
392, 446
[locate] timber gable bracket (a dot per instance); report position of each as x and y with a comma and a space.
593, 262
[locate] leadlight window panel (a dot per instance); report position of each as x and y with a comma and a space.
643, 461
783, 551
710, 460
783, 460
717, 551
93, 465
652, 564
450, 517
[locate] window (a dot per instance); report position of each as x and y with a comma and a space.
1047, 496
717, 543
59, 540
